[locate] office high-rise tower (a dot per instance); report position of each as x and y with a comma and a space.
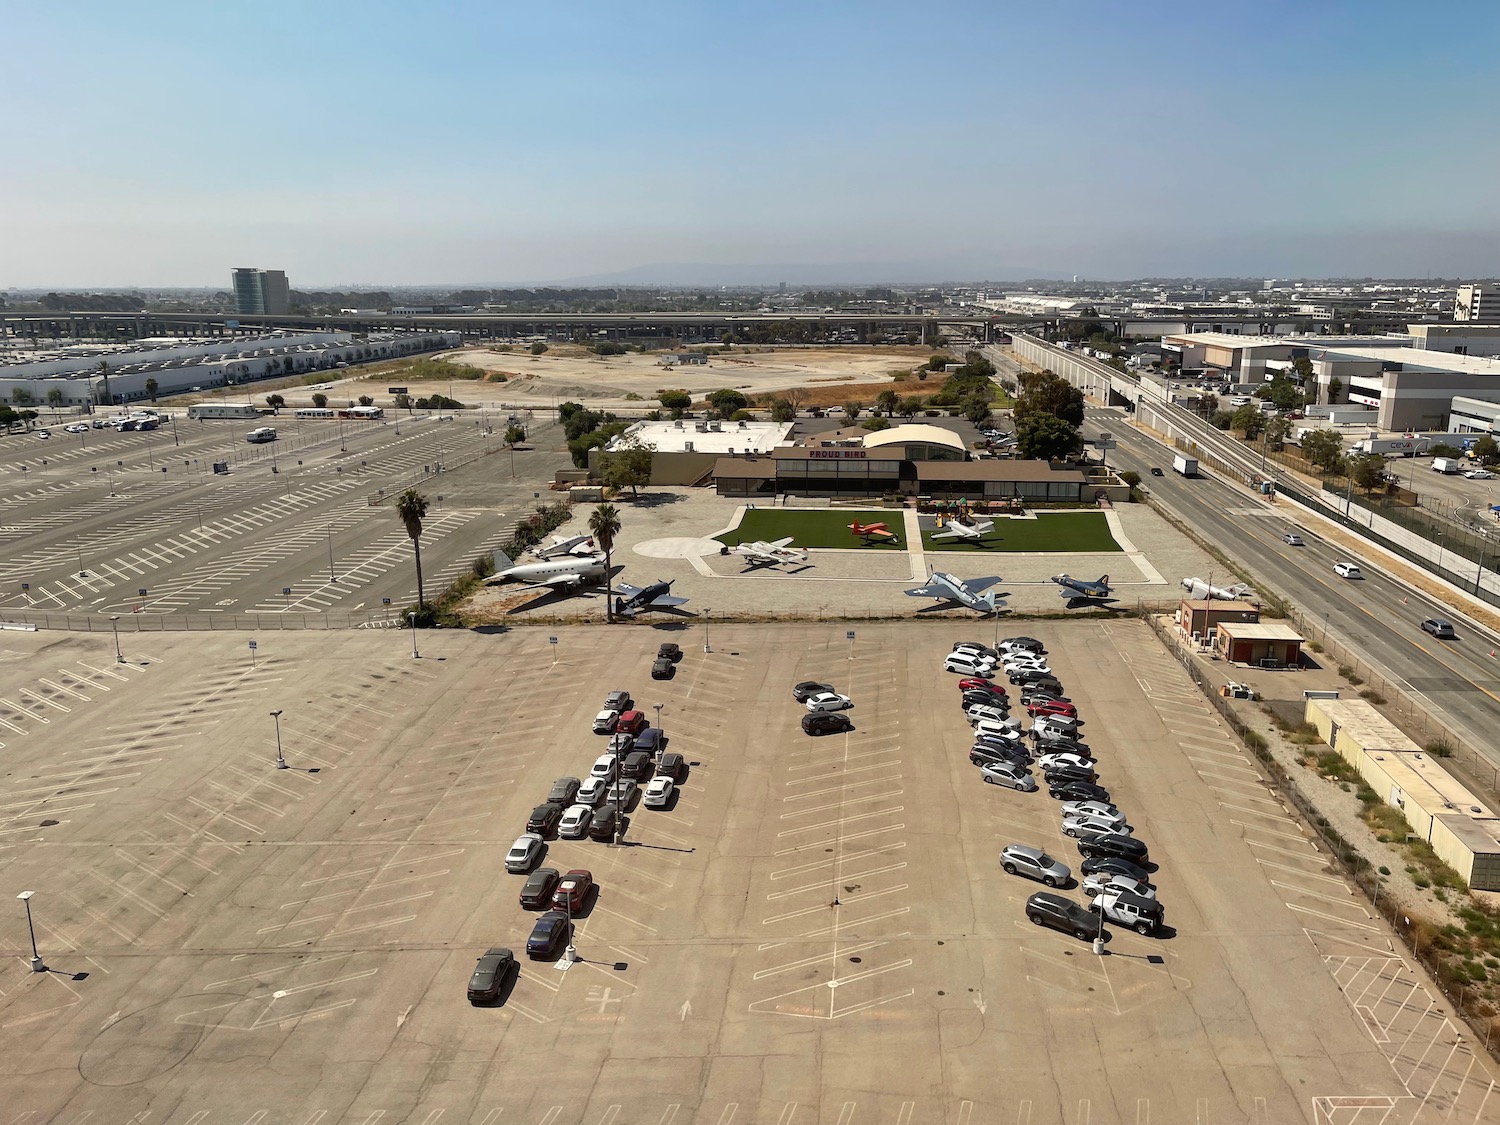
260, 292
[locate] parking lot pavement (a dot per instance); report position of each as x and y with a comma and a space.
815, 930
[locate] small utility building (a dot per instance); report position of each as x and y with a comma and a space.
1268, 644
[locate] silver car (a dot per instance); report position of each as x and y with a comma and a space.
1009, 776
1084, 826
523, 853
1082, 761
1018, 859
1085, 808
1099, 880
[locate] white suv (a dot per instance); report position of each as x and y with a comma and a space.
1346, 570
969, 665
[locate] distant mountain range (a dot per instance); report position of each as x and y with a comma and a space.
706, 274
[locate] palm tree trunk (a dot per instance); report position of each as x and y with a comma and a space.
609, 600
416, 547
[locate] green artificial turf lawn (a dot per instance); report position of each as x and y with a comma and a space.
1060, 532
813, 529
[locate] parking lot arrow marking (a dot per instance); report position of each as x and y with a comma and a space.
980, 1003
685, 1011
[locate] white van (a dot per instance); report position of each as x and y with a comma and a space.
263, 434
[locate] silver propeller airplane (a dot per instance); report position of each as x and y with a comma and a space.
949, 590
957, 529
774, 553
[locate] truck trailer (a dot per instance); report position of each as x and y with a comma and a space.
1187, 466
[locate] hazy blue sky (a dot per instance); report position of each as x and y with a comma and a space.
162, 142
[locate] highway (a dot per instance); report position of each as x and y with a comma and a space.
1457, 681
89, 521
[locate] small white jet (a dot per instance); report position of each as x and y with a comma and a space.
553, 574
957, 529
775, 553
1197, 588
561, 546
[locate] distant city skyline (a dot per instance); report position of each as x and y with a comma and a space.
536, 144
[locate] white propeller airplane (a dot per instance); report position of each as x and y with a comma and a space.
553, 574
774, 553
579, 545
1197, 588
957, 529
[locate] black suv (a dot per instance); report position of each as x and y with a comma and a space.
1043, 685
1112, 865
669, 651
989, 755
662, 668
602, 826
825, 722
1114, 844
543, 819
1077, 791
670, 765
636, 766
538, 889
1062, 913
807, 689
564, 789
1069, 773
1030, 676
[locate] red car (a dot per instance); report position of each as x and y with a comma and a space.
573, 891
972, 684
1051, 707
631, 722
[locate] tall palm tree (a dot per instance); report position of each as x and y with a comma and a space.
104, 369
411, 506
604, 525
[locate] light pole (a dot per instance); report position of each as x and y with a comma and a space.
114, 620
415, 655
36, 960
175, 440
707, 613
660, 732
570, 954
331, 578
280, 761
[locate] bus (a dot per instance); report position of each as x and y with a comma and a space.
314, 412
369, 413
223, 410
264, 434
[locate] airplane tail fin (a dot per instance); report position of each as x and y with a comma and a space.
502, 560
988, 598
1103, 580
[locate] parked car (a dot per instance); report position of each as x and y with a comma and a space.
650, 741
1115, 844
1089, 808
523, 853
1097, 881
825, 722
621, 793
976, 684
1000, 728
807, 689
1009, 776
604, 722
829, 701
1292, 539
618, 701
606, 766
981, 755
1070, 773
1062, 913
1037, 708
592, 790
1086, 825
984, 699
1019, 859
1346, 570
621, 743
1442, 630
574, 824
1049, 685
1026, 644
658, 793
632, 722
1052, 761
1062, 724
573, 891
672, 765
548, 934
1030, 676
564, 791
1143, 915
602, 826
490, 971
636, 766
969, 665
974, 648
669, 651
1070, 789
44, 434
543, 819
1113, 865
662, 669
977, 711
1036, 693
536, 892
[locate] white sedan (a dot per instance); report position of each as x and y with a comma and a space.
1093, 884
574, 824
829, 701
1086, 808
523, 853
658, 793
1080, 761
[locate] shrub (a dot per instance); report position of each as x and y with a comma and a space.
538, 348
498, 376
1372, 696
1440, 748
1255, 740
1385, 870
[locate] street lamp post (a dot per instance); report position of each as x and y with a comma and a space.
280, 760
707, 613
331, 578
658, 707
114, 620
36, 959
415, 655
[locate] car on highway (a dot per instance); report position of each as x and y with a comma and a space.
669, 651
968, 664
826, 722
1096, 881
536, 892
1008, 775
523, 853
1019, 859
604, 722
1062, 913
549, 933
1114, 865
573, 891
829, 701
490, 971
602, 826
606, 766
671, 765
574, 824
1292, 539
808, 688
592, 790
543, 819
1115, 844
1071, 789
658, 793
1442, 630
1346, 570
564, 791
662, 669
618, 701
1156, 471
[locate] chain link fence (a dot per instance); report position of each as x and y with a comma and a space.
197, 622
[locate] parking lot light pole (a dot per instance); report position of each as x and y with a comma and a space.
280, 761
570, 954
36, 959
114, 620
415, 655
707, 613
658, 707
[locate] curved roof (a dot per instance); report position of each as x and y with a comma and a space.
933, 435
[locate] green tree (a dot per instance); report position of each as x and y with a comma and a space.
1131, 477
604, 525
1324, 448
1486, 450
538, 348
366, 400
782, 411
976, 408
851, 412
1368, 471
1044, 436
152, 386
1247, 419
875, 422
1280, 392
403, 402
320, 400
911, 406
1208, 405
21, 396
276, 402
675, 399
1278, 426
411, 506
629, 467
887, 400
514, 434
103, 369
726, 400
1044, 392
1335, 388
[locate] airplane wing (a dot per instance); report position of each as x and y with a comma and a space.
931, 591
947, 534
787, 542
666, 601
979, 585
626, 590
558, 582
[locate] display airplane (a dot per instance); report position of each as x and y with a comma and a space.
636, 599
957, 529
949, 590
877, 532
1197, 588
774, 553
554, 574
1080, 588
565, 545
